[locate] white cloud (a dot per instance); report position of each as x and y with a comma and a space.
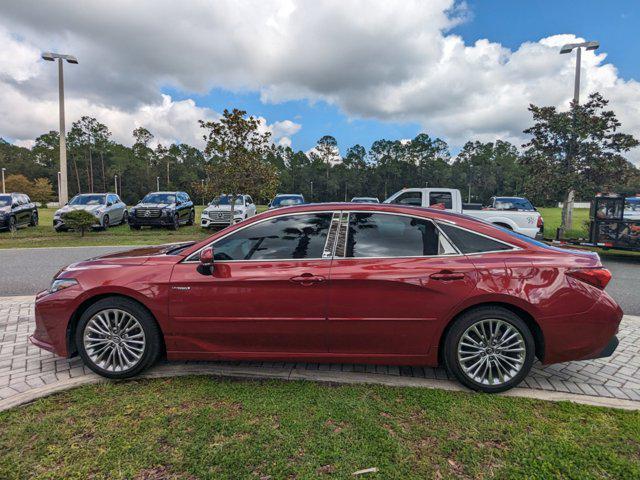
393, 61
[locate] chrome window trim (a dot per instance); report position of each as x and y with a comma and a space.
458, 254
189, 258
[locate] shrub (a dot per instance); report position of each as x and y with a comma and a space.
79, 220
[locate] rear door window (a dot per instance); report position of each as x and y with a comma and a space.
383, 235
470, 242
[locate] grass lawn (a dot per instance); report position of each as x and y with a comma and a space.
553, 216
199, 427
45, 236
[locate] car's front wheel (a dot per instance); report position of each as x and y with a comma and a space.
489, 349
118, 338
192, 218
34, 220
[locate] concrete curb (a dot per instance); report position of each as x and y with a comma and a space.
333, 377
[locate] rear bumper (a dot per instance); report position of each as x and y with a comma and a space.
610, 348
583, 336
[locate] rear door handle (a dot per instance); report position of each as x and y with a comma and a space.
307, 279
446, 275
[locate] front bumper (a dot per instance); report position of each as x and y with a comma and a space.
53, 311
206, 222
151, 222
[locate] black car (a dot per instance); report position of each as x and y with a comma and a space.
286, 200
17, 210
162, 209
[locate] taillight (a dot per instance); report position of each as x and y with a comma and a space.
598, 277
539, 225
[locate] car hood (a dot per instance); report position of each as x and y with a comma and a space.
135, 256
155, 205
6, 209
71, 208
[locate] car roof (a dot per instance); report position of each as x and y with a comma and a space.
456, 219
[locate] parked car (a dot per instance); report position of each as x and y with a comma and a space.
388, 284
365, 200
528, 223
106, 207
219, 211
286, 200
17, 210
163, 209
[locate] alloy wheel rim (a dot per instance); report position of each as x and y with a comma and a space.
491, 352
114, 340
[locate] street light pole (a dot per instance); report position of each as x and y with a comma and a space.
157, 184
568, 48
115, 181
63, 196
567, 205
3, 189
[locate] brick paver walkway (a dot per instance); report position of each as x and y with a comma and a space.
25, 367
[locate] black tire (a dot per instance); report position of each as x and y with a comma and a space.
192, 218
34, 220
475, 316
105, 222
176, 222
153, 336
13, 225
125, 218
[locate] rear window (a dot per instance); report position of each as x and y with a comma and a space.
469, 242
441, 200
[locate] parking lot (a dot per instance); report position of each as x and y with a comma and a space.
27, 372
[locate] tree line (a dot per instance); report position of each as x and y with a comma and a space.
581, 150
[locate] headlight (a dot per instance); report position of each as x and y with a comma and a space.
62, 283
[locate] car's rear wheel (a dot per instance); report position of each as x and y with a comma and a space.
118, 338
489, 349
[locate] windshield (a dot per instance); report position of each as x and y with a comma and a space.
226, 200
5, 201
505, 203
88, 200
159, 198
287, 200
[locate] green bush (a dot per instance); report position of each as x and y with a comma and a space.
79, 220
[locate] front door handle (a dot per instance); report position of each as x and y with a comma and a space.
446, 275
307, 279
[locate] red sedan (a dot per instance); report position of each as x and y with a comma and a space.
352, 283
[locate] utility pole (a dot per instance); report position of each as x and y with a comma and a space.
63, 196
157, 184
3, 189
115, 181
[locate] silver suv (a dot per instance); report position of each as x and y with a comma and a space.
106, 207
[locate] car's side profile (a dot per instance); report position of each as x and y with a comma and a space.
17, 210
356, 283
107, 208
163, 209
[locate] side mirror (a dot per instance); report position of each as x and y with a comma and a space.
206, 261
14, 205
269, 205
178, 203
109, 204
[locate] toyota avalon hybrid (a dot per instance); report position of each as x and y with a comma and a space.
356, 283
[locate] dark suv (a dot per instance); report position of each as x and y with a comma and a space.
162, 209
17, 210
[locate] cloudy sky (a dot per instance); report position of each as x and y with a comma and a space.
359, 70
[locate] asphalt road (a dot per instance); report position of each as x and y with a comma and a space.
27, 271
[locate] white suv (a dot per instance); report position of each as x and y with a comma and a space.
218, 213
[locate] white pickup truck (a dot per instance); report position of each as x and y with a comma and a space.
527, 222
